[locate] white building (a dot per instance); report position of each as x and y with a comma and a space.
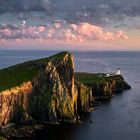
118, 72
113, 74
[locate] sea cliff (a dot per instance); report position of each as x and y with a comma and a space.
48, 90
103, 87
49, 95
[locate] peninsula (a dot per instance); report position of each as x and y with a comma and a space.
48, 90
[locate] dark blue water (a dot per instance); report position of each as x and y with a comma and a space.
118, 119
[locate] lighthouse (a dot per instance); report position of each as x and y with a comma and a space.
118, 72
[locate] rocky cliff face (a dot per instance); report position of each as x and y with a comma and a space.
103, 87
49, 96
105, 90
13, 103
85, 98
53, 94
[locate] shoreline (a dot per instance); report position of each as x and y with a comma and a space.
62, 100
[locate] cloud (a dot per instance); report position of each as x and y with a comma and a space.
25, 5
99, 12
81, 32
120, 34
100, 6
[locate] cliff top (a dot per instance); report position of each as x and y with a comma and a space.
90, 78
17, 74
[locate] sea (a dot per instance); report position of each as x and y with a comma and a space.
118, 119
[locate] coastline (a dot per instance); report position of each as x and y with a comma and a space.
104, 87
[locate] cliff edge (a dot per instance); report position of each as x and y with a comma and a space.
47, 90
42, 90
103, 87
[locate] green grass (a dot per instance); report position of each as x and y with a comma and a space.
55, 57
16, 75
89, 78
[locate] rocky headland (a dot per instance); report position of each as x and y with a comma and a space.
48, 91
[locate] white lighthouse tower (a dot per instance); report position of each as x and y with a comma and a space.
118, 72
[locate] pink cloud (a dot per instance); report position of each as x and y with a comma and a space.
82, 32
120, 34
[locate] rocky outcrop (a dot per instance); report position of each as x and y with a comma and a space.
85, 98
103, 87
53, 93
54, 96
13, 103
50, 96
104, 90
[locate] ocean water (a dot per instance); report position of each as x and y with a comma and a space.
117, 119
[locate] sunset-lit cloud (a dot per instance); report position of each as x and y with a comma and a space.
81, 32
92, 24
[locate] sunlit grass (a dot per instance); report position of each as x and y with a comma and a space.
89, 78
16, 75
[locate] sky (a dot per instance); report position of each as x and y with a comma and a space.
70, 24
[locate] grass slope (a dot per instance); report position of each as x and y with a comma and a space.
90, 78
16, 75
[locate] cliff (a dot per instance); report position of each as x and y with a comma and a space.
48, 90
42, 90
85, 98
103, 87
